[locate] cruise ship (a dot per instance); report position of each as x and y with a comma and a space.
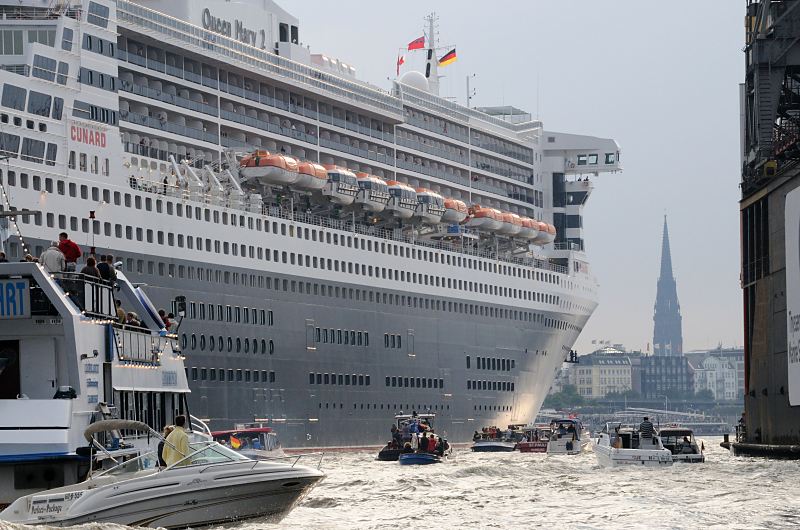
347, 252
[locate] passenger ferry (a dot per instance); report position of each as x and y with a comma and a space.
347, 251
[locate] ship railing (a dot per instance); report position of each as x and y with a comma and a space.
93, 296
37, 13
137, 344
166, 125
205, 108
21, 69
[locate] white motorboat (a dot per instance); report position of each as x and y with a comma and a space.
211, 485
682, 444
568, 437
253, 441
618, 446
494, 440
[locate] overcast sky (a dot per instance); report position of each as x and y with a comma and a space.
659, 77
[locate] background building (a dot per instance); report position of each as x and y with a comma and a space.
719, 371
667, 332
602, 372
666, 376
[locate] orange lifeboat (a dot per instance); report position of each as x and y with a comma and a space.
373, 192
430, 206
485, 219
402, 200
341, 186
530, 229
279, 170
511, 224
547, 234
455, 211
311, 176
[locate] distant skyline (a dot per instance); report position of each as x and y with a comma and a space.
661, 81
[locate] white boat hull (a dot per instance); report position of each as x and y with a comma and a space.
608, 456
493, 446
564, 446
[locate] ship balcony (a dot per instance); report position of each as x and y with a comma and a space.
167, 93
432, 147
179, 124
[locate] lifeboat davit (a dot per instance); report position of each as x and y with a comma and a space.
402, 200
430, 206
341, 186
455, 211
484, 219
511, 224
279, 170
311, 176
530, 229
547, 234
373, 192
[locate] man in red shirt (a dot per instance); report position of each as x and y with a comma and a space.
70, 249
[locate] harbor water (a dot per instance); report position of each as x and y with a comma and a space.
516, 490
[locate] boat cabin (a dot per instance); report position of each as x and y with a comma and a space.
243, 438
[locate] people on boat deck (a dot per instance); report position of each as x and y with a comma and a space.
617, 441
407, 448
70, 249
167, 430
52, 259
561, 429
90, 269
176, 447
646, 429
431, 444
121, 315
422, 444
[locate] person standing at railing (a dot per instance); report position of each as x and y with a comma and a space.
90, 269
71, 251
52, 259
106, 268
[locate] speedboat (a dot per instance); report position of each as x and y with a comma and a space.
535, 439
494, 440
681, 443
407, 432
568, 437
212, 484
618, 446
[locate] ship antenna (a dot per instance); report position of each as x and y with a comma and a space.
432, 61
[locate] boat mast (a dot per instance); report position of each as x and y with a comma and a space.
432, 64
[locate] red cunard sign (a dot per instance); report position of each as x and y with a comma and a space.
87, 136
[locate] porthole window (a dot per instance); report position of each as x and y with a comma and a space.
194, 341
271, 347
220, 343
255, 346
202, 342
238, 345
230, 344
183, 341
211, 343
264, 346
246, 346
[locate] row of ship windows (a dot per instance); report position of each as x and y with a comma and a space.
232, 375
499, 386
494, 408
315, 378
492, 363
227, 313
341, 336
414, 382
32, 150
83, 164
389, 406
238, 345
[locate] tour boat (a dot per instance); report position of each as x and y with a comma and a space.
275, 169
430, 206
311, 176
342, 185
402, 200
406, 433
494, 440
682, 444
455, 211
618, 446
373, 192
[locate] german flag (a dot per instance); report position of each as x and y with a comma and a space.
235, 442
448, 58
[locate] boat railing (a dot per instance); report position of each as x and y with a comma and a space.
135, 344
93, 296
198, 425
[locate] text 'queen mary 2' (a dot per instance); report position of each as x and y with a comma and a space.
346, 252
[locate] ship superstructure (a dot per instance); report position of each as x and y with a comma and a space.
397, 252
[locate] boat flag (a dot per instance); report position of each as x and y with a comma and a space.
401, 59
448, 58
235, 442
417, 44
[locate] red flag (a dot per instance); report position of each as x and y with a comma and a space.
401, 59
417, 44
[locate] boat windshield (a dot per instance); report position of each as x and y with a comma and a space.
147, 461
209, 453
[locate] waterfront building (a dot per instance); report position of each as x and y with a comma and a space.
666, 376
602, 372
667, 332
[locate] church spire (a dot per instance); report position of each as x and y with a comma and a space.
667, 332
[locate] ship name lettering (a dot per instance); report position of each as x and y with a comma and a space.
87, 136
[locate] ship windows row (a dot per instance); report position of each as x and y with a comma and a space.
493, 408
391, 340
341, 336
219, 343
95, 44
32, 150
498, 386
40, 104
87, 163
50, 69
414, 382
389, 406
232, 375
492, 363
228, 313
315, 378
